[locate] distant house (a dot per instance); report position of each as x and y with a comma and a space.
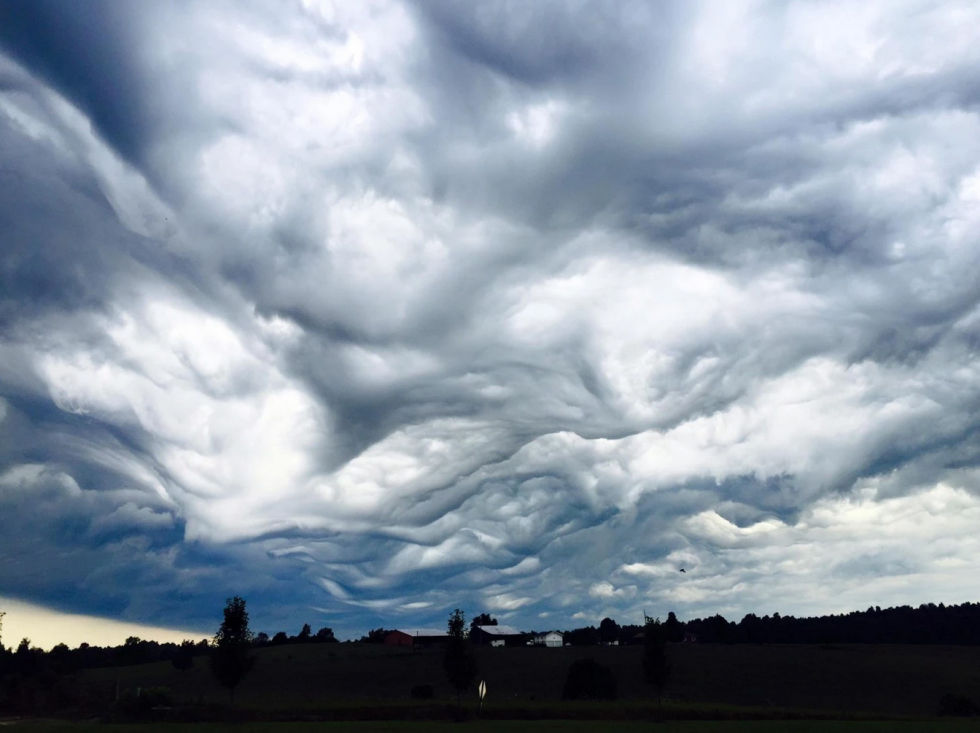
398, 638
416, 637
551, 638
495, 635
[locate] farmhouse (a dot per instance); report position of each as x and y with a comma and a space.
551, 638
415, 637
496, 635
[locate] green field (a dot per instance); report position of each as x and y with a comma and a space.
708, 679
547, 726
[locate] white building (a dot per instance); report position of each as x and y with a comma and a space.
552, 638
499, 635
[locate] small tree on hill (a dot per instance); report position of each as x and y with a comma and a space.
673, 629
459, 661
305, 632
183, 658
608, 631
484, 619
230, 658
656, 668
26, 658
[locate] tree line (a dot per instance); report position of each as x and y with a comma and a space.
928, 623
32, 680
140, 651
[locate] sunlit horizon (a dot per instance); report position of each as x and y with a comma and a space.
47, 627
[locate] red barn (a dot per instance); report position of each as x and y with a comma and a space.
398, 638
416, 637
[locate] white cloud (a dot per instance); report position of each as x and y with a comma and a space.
422, 303
232, 432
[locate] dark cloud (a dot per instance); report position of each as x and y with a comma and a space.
370, 312
87, 53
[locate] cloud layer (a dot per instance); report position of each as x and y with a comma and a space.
366, 311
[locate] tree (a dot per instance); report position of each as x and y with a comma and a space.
656, 668
280, 638
230, 658
325, 635
375, 636
484, 619
134, 651
586, 636
608, 631
26, 657
304, 634
459, 661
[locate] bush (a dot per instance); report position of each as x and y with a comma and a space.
140, 703
589, 680
958, 705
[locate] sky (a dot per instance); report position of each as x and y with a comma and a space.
365, 311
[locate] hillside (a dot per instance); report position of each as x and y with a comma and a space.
887, 679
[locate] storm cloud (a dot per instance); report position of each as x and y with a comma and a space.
365, 311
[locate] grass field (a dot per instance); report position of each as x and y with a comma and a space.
829, 680
547, 726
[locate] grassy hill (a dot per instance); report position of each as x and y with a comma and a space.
834, 679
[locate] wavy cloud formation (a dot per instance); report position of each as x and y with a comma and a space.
366, 311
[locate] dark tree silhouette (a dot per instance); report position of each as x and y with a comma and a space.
325, 635
305, 633
376, 636
656, 668
280, 638
586, 636
230, 658
589, 680
927, 624
459, 661
183, 658
608, 631
484, 619
26, 658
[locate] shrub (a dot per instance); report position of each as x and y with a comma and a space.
958, 705
139, 703
589, 680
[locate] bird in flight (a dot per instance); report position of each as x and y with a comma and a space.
683, 570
